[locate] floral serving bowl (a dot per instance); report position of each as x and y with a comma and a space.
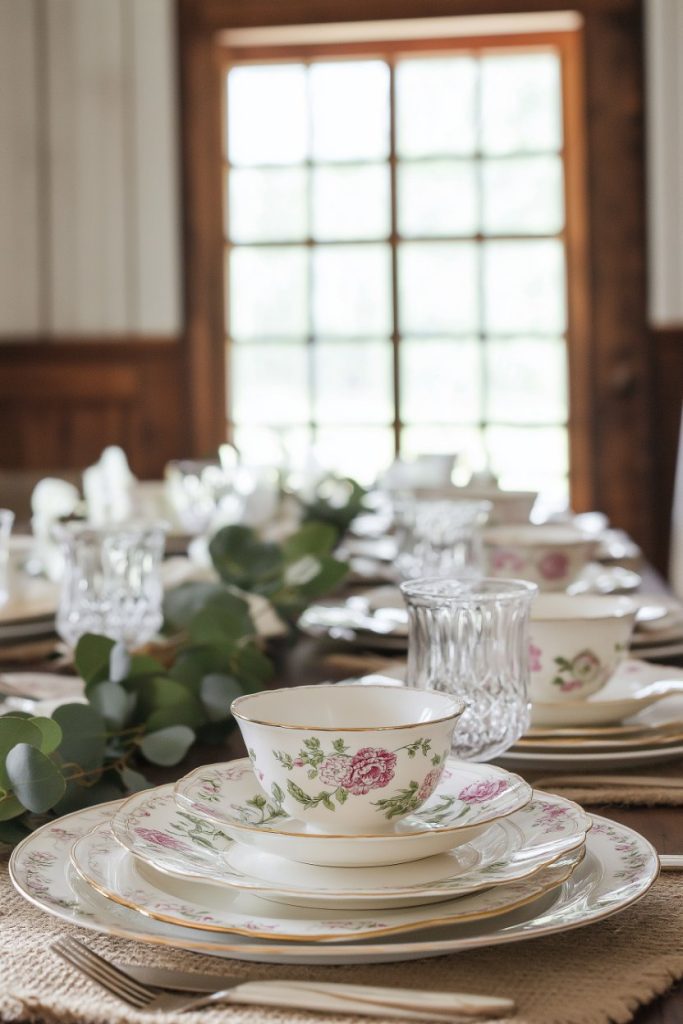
576, 644
348, 759
549, 555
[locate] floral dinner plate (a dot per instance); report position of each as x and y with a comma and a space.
619, 868
174, 841
468, 798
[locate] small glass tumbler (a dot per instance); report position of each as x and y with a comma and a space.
112, 581
439, 538
469, 638
6, 523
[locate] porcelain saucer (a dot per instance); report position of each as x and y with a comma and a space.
634, 686
469, 797
618, 869
116, 874
151, 827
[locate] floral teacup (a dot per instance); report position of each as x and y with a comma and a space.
550, 555
348, 759
576, 643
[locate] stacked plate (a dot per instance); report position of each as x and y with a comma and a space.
29, 612
659, 628
635, 719
218, 864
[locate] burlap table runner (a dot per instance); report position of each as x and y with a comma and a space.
631, 795
590, 976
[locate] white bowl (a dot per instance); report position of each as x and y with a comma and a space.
576, 644
550, 555
348, 759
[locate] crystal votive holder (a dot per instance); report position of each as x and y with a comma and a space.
469, 638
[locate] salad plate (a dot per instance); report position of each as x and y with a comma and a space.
634, 686
618, 869
151, 827
468, 798
115, 873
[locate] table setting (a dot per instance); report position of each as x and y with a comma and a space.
188, 831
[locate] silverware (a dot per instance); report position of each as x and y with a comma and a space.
671, 861
327, 997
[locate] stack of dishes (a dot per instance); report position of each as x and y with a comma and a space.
336, 842
659, 628
29, 611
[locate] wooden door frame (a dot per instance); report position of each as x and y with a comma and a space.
611, 375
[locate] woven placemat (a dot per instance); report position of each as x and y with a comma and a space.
626, 793
589, 976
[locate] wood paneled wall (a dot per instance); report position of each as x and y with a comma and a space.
60, 404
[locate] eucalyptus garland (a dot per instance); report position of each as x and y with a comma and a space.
138, 709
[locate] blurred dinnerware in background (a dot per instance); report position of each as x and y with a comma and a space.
112, 581
576, 643
439, 538
6, 523
551, 555
470, 638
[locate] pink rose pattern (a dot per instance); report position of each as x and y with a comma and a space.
370, 768
429, 784
553, 566
503, 560
479, 792
583, 669
535, 658
153, 835
332, 771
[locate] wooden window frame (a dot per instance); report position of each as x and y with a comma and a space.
609, 369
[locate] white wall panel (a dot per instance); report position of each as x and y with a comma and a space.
86, 174
664, 77
153, 112
20, 292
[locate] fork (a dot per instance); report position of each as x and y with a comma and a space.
330, 998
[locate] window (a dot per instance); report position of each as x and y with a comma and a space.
396, 259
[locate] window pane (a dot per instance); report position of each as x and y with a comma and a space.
440, 380
528, 458
523, 196
268, 292
435, 106
351, 290
520, 103
270, 383
353, 382
437, 198
350, 110
437, 287
360, 452
267, 117
527, 380
465, 442
524, 287
265, 446
351, 202
267, 205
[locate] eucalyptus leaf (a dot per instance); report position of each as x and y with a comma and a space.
252, 668
195, 662
163, 693
50, 731
119, 662
36, 780
15, 729
83, 740
112, 702
133, 781
314, 538
218, 693
167, 746
182, 603
215, 624
91, 657
242, 559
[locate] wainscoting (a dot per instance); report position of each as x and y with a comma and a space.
62, 401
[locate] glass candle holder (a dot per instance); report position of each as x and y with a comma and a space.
111, 582
469, 638
439, 538
6, 523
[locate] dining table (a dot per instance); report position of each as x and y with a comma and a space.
310, 660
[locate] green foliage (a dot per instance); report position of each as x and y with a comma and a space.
337, 501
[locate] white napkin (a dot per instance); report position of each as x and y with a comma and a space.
52, 500
109, 488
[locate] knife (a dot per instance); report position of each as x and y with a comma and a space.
193, 981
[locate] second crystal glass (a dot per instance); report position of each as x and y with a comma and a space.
469, 638
439, 538
112, 582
